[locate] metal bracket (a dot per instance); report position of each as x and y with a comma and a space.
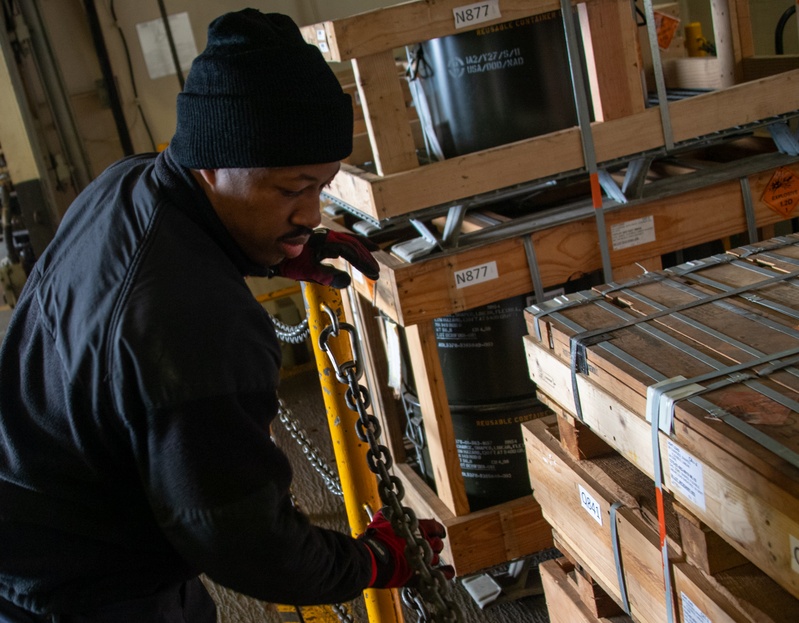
785, 140
452, 227
635, 177
610, 187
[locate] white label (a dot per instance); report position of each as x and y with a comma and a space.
323, 47
632, 233
393, 355
590, 504
476, 274
477, 13
691, 612
155, 45
686, 474
320, 34
794, 553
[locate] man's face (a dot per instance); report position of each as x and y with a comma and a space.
269, 212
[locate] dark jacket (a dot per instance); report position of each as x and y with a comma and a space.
138, 379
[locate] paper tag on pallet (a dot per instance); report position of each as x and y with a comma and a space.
477, 13
691, 612
687, 475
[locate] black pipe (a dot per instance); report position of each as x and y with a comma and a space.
108, 77
171, 40
778, 49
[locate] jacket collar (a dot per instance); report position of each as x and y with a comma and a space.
186, 194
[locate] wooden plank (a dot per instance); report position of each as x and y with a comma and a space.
724, 36
563, 600
429, 379
485, 538
404, 24
615, 51
383, 103
755, 67
557, 152
703, 548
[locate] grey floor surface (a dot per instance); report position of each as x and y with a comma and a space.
301, 392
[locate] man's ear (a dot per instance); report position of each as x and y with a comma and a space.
207, 175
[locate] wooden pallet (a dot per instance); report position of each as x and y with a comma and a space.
750, 493
400, 185
576, 497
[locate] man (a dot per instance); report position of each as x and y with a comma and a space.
138, 375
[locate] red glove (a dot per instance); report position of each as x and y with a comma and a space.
390, 566
324, 244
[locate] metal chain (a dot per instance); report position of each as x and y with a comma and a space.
291, 334
310, 451
432, 584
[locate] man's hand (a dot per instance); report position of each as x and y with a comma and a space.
325, 244
391, 568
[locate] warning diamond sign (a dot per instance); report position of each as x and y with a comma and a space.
782, 192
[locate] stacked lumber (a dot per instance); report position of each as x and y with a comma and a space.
670, 473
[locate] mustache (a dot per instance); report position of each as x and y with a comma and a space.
298, 232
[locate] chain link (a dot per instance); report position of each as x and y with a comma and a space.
291, 334
310, 451
430, 598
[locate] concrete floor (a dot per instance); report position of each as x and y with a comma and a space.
301, 392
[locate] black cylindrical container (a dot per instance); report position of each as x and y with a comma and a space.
482, 354
497, 84
491, 450
490, 447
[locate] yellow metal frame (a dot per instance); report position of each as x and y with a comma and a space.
357, 482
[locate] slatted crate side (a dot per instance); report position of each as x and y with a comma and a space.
750, 511
573, 493
577, 506
743, 479
701, 338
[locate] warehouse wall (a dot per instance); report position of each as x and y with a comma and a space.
70, 38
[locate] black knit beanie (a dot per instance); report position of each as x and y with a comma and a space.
260, 96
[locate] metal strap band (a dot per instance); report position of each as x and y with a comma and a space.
660, 83
654, 393
616, 542
749, 210
535, 274
701, 301
558, 304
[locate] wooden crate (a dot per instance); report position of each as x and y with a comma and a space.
740, 440
576, 497
412, 295
400, 185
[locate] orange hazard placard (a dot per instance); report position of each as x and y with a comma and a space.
666, 27
782, 191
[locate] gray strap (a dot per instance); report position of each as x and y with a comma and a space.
616, 542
